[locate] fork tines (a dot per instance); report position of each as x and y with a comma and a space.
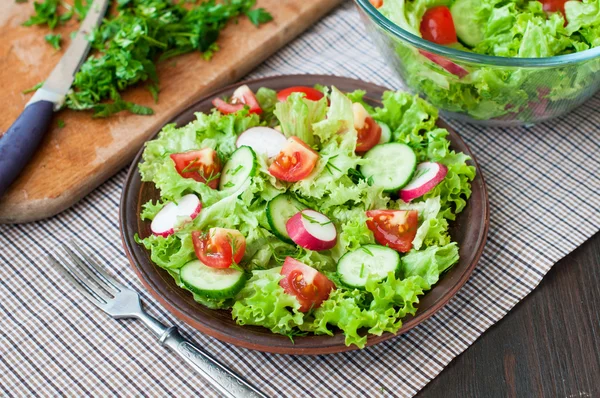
85, 274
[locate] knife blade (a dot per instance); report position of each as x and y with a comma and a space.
23, 137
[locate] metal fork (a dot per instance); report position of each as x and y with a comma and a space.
119, 302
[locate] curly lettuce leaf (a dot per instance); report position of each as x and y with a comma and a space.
263, 302
429, 263
151, 209
296, 116
379, 308
433, 227
172, 252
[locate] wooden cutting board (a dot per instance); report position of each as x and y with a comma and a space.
75, 159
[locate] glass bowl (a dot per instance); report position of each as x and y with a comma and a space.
483, 89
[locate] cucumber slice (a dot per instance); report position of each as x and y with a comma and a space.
390, 165
386, 133
215, 283
279, 210
355, 267
469, 26
241, 165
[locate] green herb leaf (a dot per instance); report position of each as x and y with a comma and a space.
314, 220
235, 171
46, 13
60, 123
53, 40
32, 89
259, 16
367, 251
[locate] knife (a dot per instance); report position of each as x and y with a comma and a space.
20, 141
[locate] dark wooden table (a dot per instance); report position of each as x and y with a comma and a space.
547, 346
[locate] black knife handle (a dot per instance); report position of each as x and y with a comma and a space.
20, 141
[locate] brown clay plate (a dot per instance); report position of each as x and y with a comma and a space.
469, 230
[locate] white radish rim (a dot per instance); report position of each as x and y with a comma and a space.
171, 215
318, 225
263, 140
425, 172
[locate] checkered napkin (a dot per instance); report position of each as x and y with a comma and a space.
544, 188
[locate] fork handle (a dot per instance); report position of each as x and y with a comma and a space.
224, 380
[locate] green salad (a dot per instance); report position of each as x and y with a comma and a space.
503, 28
307, 210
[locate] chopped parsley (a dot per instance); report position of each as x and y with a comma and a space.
129, 43
53, 40
314, 220
369, 252
235, 171
258, 16
32, 89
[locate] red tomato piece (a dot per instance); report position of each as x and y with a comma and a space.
394, 228
437, 26
241, 97
368, 132
368, 136
309, 286
554, 6
202, 165
295, 161
311, 93
220, 247
376, 3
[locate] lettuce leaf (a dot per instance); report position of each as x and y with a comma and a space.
263, 302
429, 263
172, 252
377, 309
297, 114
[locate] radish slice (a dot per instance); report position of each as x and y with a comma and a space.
446, 64
171, 215
427, 176
263, 140
312, 230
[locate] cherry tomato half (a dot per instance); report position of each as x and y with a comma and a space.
376, 3
437, 26
368, 132
202, 165
394, 228
309, 286
368, 136
241, 97
220, 247
311, 93
295, 161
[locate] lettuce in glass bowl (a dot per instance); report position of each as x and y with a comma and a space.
513, 62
